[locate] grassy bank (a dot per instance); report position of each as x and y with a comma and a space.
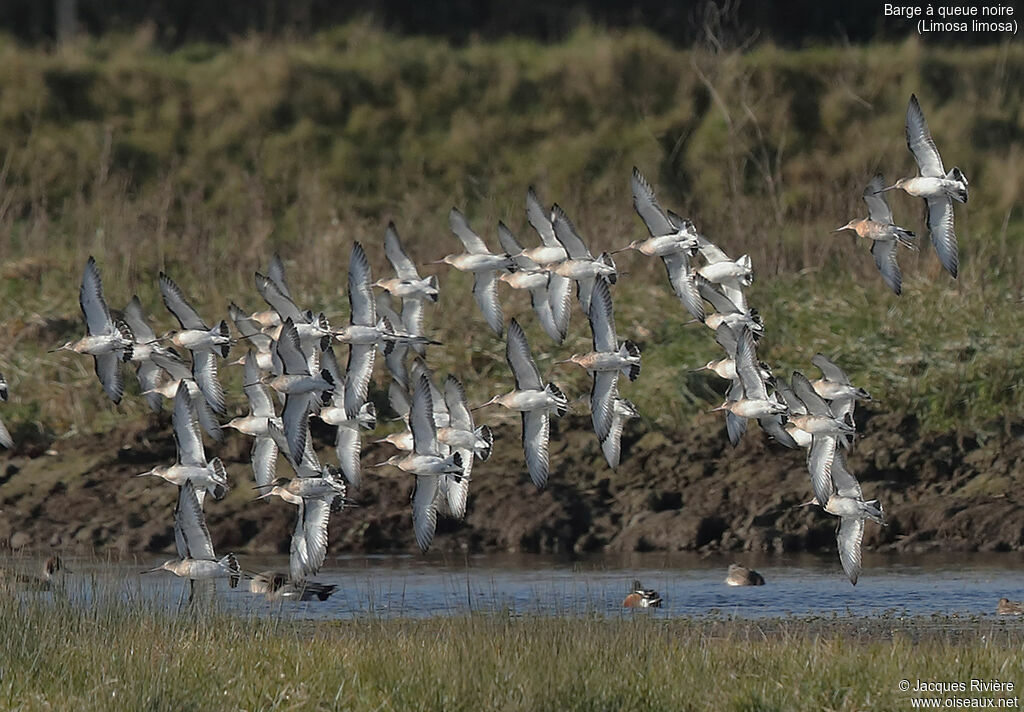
117, 655
206, 160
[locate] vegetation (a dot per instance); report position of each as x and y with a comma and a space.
117, 655
205, 160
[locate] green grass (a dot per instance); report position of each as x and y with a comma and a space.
114, 654
205, 161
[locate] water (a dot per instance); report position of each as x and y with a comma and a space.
415, 586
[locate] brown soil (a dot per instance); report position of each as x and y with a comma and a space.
674, 491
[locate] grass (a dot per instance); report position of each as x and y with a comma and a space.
119, 654
206, 160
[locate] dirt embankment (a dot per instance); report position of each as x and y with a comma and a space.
674, 491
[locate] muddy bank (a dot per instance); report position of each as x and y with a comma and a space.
674, 491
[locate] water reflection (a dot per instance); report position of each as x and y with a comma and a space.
437, 585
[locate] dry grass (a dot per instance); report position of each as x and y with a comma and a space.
205, 161
111, 655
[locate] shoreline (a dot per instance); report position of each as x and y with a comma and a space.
684, 491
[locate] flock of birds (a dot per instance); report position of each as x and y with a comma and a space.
290, 359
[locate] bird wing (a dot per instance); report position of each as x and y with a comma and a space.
276, 273
485, 290
539, 219
348, 445
747, 367
357, 378
360, 291
849, 537
470, 240
920, 142
207, 419
150, 375
421, 418
173, 364
878, 208
677, 265
535, 445
602, 401
260, 403
186, 429
424, 509
735, 425
830, 370
560, 299
295, 419
814, 403
108, 370
517, 353
404, 267
457, 490
845, 483
602, 318
310, 465
795, 405
772, 424
177, 304
458, 409
820, 457
539, 300
204, 370
289, 350
940, 224
412, 316
190, 528
726, 337
646, 206
884, 252
710, 251
94, 306
264, 460
329, 363
566, 233
721, 303
249, 328
511, 245
309, 540
278, 299
611, 446
136, 321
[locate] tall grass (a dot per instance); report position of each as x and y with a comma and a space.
206, 160
116, 655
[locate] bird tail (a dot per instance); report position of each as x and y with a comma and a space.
368, 416
126, 335
960, 192
485, 434
222, 331
873, 509
630, 350
745, 263
432, 282
556, 393
906, 238
220, 473
325, 340
231, 563
384, 324
606, 259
